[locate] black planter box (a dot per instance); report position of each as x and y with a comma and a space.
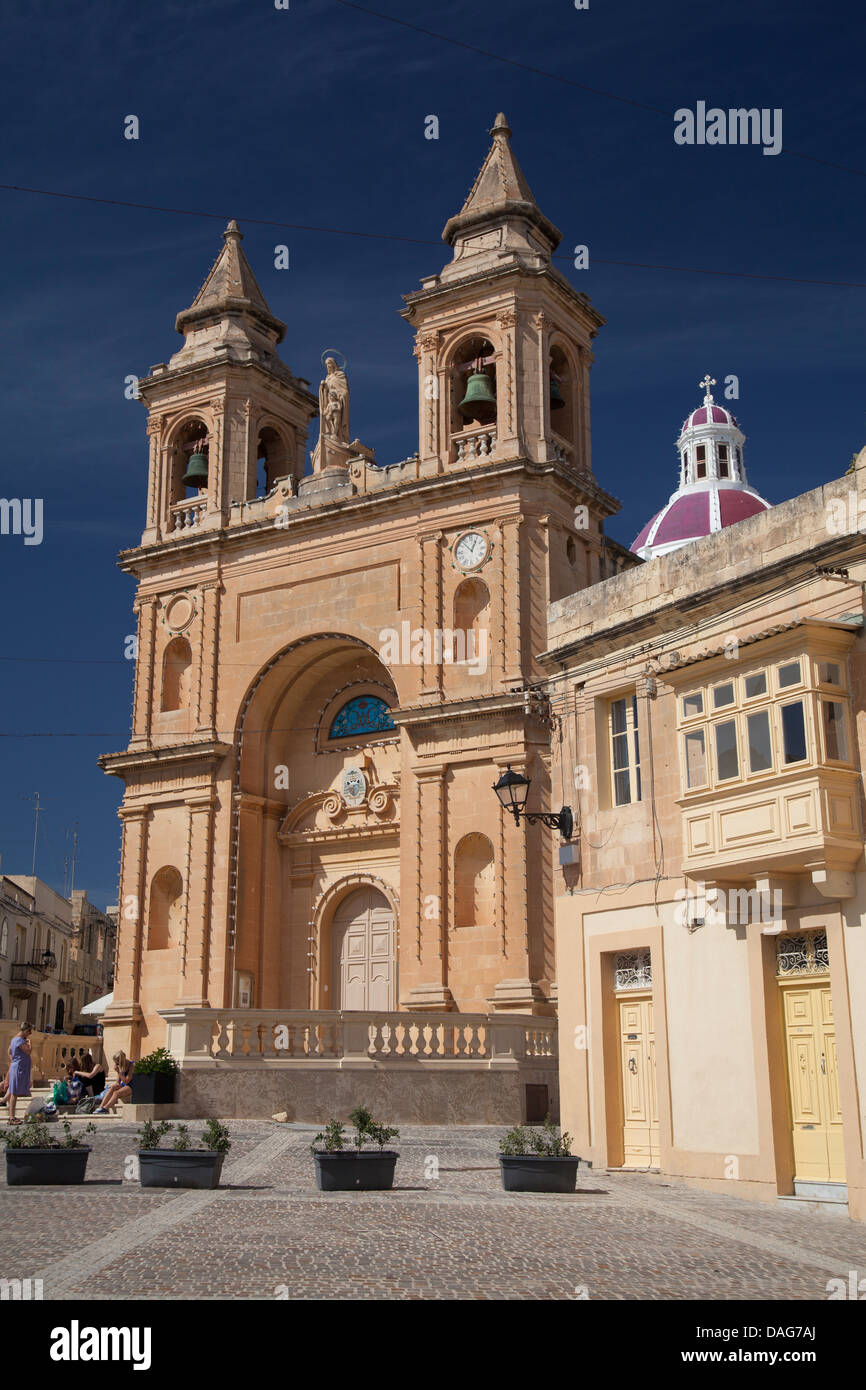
350, 1172
153, 1088
180, 1167
46, 1166
537, 1173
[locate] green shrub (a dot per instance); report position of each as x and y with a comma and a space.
159, 1063
215, 1137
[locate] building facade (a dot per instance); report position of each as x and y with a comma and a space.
334, 666
711, 930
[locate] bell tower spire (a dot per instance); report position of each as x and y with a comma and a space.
503, 338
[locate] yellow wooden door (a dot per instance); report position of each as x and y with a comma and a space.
813, 1083
640, 1121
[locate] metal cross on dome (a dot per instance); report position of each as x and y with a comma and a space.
707, 382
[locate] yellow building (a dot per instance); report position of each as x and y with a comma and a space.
711, 913
333, 669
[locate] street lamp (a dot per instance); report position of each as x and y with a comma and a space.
512, 789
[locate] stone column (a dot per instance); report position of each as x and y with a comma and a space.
155, 426
514, 992
431, 610
248, 919
124, 1013
582, 431
511, 617
208, 658
431, 989
142, 698
431, 399
510, 392
195, 950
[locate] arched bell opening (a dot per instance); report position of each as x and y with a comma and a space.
473, 397
189, 460
561, 387
274, 459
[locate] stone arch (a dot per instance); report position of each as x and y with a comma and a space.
179, 437
325, 910
464, 346
176, 670
564, 369
275, 455
166, 898
471, 614
474, 881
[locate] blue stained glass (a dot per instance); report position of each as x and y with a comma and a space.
366, 714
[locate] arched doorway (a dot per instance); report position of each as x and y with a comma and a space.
362, 936
58, 1016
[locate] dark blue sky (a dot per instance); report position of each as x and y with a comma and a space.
316, 115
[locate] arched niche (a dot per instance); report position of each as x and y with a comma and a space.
469, 356
163, 921
190, 437
471, 616
176, 668
562, 388
275, 458
474, 882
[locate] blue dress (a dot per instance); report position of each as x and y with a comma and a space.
19, 1072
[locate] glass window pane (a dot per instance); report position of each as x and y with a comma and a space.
789, 675
829, 673
620, 750
835, 738
696, 759
727, 760
794, 732
756, 685
760, 745
617, 716
622, 788
723, 695
693, 704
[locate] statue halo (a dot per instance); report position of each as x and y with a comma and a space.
335, 353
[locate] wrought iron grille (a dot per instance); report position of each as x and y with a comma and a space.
803, 953
633, 970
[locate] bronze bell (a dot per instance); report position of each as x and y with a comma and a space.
557, 400
196, 472
479, 403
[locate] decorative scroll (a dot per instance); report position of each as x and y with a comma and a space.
802, 954
633, 970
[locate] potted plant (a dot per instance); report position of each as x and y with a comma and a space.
154, 1080
181, 1165
33, 1156
339, 1170
532, 1160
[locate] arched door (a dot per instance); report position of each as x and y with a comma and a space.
58, 1016
363, 952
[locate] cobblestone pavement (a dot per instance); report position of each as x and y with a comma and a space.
268, 1233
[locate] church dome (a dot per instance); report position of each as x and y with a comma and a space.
713, 490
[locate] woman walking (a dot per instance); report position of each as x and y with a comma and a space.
18, 1081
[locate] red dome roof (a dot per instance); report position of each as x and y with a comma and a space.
707, 414
687, 516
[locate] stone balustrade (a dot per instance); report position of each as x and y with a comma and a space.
205, 1037
187, 515
474, 444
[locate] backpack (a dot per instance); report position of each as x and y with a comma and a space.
87, 1107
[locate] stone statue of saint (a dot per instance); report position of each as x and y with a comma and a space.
334, 403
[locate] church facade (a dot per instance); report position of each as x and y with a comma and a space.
335, 666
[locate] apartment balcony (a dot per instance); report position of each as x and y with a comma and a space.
809, 823
26, 978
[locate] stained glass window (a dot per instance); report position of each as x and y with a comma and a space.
366, 714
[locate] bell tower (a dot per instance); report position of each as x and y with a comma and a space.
503, 339
227, 419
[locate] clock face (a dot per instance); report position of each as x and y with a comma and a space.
471, 550
354, 784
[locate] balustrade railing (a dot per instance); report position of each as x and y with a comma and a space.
474, 444
185, 516
202, 1037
